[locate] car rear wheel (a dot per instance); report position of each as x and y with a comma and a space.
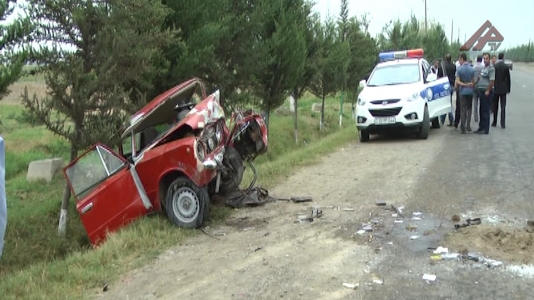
187, 205
424, 128
363, 135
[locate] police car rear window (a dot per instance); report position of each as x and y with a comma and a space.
395, 74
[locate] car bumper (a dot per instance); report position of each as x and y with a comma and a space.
408, 116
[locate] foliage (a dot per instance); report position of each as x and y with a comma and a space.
331, 62
411, 34
521, 53
94, 60
11, 35
278, 53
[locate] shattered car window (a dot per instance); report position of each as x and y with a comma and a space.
91, 169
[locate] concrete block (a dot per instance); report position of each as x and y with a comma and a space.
316, 107
44, 169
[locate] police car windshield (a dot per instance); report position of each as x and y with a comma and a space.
395, 74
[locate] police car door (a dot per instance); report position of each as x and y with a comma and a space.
437, 92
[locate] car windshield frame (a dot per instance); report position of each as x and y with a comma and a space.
382, 75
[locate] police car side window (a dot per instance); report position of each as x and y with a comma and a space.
425, 66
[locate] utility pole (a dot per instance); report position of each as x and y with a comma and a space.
426, 22
452, 30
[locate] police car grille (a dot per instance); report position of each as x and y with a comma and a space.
386, 112
385, 101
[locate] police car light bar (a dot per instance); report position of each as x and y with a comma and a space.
414, 53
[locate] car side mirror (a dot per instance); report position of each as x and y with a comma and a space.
363, 82
431, 77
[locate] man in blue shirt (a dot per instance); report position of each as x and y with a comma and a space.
485, 89
465, 82
3, 204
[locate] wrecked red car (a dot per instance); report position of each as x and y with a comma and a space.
176, 154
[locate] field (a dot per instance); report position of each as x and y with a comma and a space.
37, 263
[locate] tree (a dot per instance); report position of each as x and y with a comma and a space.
312, 47
363, 56
331, 63
11, 35
277, 57
213, 48
99, 51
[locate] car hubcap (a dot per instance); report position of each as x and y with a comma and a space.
185, 205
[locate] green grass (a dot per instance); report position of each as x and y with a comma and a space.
37, 264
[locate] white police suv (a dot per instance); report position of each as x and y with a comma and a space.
402, 92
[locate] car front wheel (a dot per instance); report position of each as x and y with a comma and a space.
187, 205
364, 136
424, 128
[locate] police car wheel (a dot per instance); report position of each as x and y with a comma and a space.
435, 123
364, 136
424, 128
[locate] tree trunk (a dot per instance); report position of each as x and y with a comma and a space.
62, 227
267, 116
295, 106
321, 124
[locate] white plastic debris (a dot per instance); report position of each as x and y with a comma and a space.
440, 250
429, 277
414, 237
417, 214
398, 221
360, 232
394, 215
416, 219
351, 285
450, 256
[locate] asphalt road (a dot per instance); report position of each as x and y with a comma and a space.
489, 176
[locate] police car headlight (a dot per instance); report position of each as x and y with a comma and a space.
413, 97
361, 102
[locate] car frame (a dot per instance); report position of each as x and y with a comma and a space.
145, 175
412, 106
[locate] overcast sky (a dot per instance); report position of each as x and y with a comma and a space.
514, 19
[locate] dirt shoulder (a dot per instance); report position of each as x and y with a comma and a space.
263, 253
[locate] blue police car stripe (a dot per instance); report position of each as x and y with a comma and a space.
435, 92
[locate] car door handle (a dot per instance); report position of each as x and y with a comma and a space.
87, 208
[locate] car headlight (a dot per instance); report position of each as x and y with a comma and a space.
413, 97
361, 102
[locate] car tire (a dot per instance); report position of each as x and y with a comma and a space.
435, 123
234, 176
363, 135
187, 205
424, 128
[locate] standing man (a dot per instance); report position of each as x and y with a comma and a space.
465, 81
457, 112
477, 68
501, 88
485, 89
450, 70
434, 68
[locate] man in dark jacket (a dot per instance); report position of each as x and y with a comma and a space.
450, 71
500, 89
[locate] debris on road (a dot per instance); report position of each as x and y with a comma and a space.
304, 219
414, 237
417, 214
351, 285
317, 212
429, 277
377, 279
381, 203
441, 250
296, 199
455, 218
411, 227
468, 222
398, 210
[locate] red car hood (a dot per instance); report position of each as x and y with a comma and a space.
162, 107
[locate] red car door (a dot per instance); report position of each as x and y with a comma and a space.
108, 191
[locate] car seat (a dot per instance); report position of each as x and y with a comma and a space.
147, 136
